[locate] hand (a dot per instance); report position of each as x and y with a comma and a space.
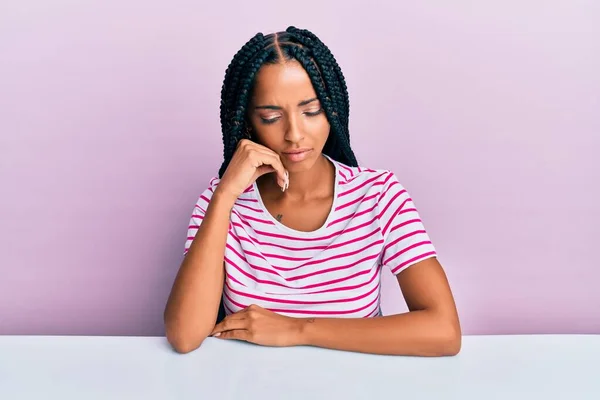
256, 325
250, 161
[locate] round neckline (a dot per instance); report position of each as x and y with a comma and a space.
295, 232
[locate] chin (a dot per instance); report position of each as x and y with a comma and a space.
300, 166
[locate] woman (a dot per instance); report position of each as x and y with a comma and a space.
286, 246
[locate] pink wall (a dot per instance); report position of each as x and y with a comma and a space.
487, 111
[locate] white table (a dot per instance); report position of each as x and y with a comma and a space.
488, 367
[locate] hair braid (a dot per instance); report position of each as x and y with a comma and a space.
330, 59
328, 65
238, 61
234, 94
337, 145
301, 55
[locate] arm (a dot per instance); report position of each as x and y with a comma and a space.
191, 311
193, 305
430, 328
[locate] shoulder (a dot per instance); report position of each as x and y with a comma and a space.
381, 187
207, 193
363, 179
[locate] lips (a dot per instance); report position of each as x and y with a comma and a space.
298, 151
297, 155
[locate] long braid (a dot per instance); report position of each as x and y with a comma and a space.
323, 70
233, 71
327, 64
328, 103
331, 61
234, 100
337, 87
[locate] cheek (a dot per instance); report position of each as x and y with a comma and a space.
320, 127
266, 135
264, 130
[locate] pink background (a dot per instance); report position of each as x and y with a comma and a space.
487, 111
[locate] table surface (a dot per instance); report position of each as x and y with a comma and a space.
488, 367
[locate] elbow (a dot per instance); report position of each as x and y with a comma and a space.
451, 347
180, 341
444, 339
183, 345
450, 342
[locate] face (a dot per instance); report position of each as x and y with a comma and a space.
286, 115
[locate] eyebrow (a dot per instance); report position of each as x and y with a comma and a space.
270, 107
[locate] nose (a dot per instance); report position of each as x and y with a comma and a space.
293, 130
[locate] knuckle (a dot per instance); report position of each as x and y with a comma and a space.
251, 327
252, 153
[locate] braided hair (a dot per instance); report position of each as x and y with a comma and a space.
323, 70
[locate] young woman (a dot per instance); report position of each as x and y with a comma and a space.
286, 246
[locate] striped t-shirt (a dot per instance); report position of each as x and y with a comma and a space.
334, 271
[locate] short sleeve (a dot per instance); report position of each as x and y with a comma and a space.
406, 241
199, 212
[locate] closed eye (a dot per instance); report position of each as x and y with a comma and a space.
269, 121
314, 113
273, 120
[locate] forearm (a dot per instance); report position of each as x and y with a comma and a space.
193, 304
416, 333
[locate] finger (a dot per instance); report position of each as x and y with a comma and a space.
225, 324
229, 324
264, 158
221, 326
276, 163
236, 334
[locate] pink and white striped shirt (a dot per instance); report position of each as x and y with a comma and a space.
334, 271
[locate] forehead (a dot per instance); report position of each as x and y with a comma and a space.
285, 80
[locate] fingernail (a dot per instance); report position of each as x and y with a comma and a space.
287, 179
217, 334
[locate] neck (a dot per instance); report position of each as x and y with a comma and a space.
307, 185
